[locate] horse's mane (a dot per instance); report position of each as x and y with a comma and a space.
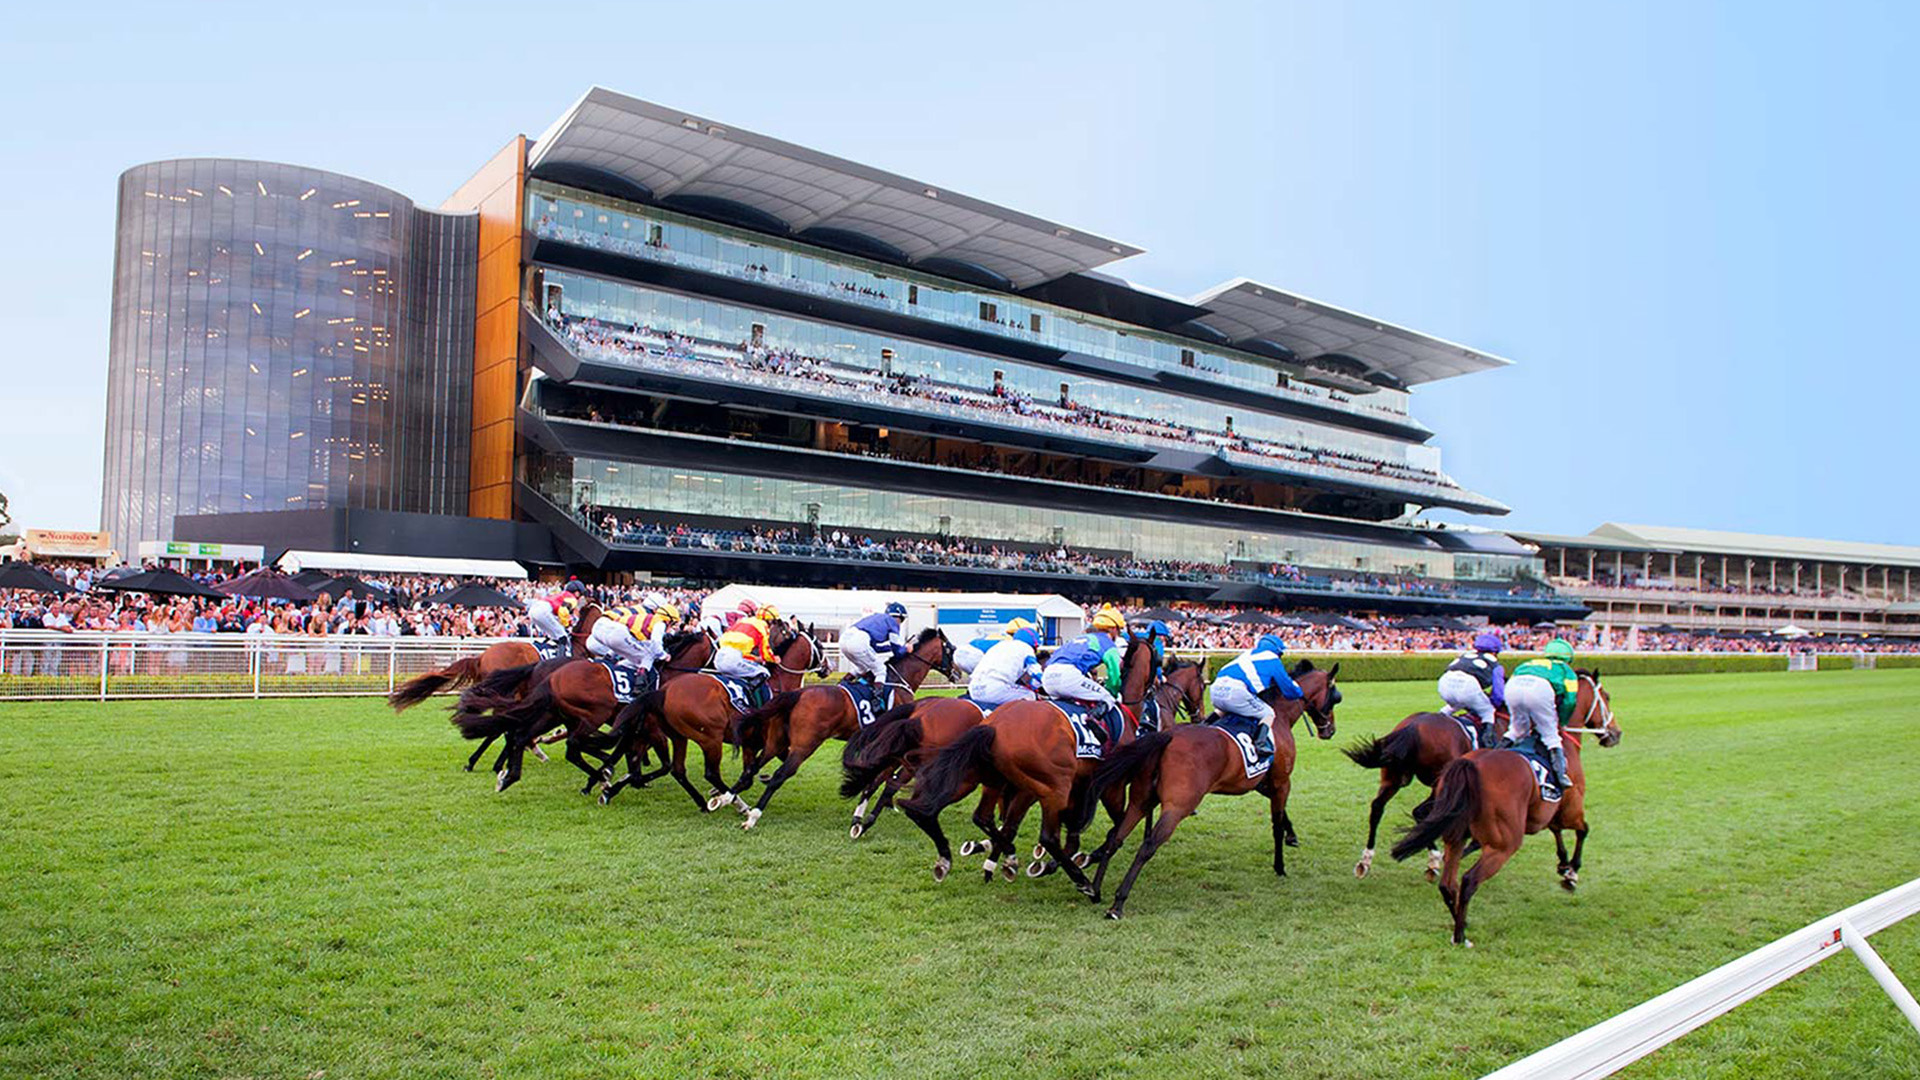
1305, 665
1176, 663
927, 635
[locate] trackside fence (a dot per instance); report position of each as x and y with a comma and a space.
1612, 1045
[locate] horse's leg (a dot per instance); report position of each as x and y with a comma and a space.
1450, 890
679, 770
1111, 799
1136, 812
929, 822
1002, 840
712, 749
983, 812
1170, 815
802, 747
1492, 858
478, 750
1277, 810
1570, 873
1052, 809
1390, 786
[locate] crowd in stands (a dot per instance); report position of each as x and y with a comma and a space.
658, 250
1681, 585
647, 345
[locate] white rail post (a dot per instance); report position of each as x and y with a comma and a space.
104, 642
255, 652
1882, 974
393, 663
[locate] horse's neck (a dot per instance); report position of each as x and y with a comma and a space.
914, 677
1138, 677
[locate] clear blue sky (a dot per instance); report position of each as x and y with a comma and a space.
1693, 226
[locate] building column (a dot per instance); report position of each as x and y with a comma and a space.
1646, 566
1819, 577
1749, 575
1773, 571
1699, 576
1619, 568
1589, 565
1673, 568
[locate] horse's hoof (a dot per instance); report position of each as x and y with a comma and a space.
1432, 875
469, 766
1570, 880
856, 831
970, 847
717, 801
766, 778
1113, 913
1036, 868
1081, 859
541, 754
1365, 864
1039, 851
1008, 870
987, 868
753, 818
1292, 840
1466, 944
1089, 892
605, 797
940, 870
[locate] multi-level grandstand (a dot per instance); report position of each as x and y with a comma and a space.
1652, 577
705, 352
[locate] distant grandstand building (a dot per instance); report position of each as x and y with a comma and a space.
1650, 576
701, 351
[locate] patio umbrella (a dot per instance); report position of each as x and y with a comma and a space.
1240, 592
25, 575
161, 582
349, 585
312, 578
1253, 618
266, 583
1164, 614
474, 596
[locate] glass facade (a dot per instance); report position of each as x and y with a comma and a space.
568, 482
283, 338
559, 213
577, 295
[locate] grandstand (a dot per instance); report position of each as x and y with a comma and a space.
1648, 576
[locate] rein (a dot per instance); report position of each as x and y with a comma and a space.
1597, 701
813, 649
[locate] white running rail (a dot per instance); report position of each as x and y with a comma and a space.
1612, 1045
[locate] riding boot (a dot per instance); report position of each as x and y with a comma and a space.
1558, 758
1487, 736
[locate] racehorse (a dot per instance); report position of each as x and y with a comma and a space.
698, 710
499, 656
577, 694
795, 724
1025, 753
1416, 749
1179, 767
1491, 797
902, 739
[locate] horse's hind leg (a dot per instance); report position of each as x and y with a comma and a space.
679, 770
1450, 891
1051, 811
983, 812
1170, 816
1006, 838
1136, 812
481, 749
1390, 785
1490, 861
796, 754
928, 818
1570, 870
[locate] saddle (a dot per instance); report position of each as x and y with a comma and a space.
1256, 746
743, 695
629, 682
1471, 727
1534, 752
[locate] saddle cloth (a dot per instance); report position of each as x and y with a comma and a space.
1534, 752
1256, 748
1090, 730
552, 648
629, 682
1470, 727
1149, 721
739, 691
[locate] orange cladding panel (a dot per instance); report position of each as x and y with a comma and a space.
495, 192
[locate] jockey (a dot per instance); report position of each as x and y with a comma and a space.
967, 655
1476, 683
1156, 633
715, 623
1069, 672
631, 634
1237, 689
1009, 670
1541, 696
743, 651
552, 615
862, 644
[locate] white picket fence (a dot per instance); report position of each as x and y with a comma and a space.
1612, 1045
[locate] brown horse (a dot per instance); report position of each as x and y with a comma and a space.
1025, 753
576, 694
1416, 749
499, 656
903, 739
795, 724
1490, 797
697, 710
1178, 768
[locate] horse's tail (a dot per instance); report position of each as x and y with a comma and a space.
421, 687
969, 758
750, 728
881, 745
1140, 756
1397, 750
515, 715
1449, 816
500, 690
628, 724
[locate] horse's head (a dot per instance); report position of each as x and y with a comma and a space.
1319, 694
1595, 703
1136, 667
820, 667
1189, 678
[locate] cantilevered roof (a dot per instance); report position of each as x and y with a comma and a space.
1715, 542
668, 153
1247, 311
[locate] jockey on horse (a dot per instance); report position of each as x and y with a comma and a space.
1475, 683
636, 635
1008, 671
745, 650
553, 614
1069, 672
1540, 698
967, 656
863, 643
1238, 688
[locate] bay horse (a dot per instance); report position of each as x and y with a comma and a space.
697, 710
576, 694
795, 724
497, 657
1490, 797
1025, 753
1416, 749
1179, 767
903, 739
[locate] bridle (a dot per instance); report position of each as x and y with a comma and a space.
943, 665
1597, 702
813, 650
1322, 721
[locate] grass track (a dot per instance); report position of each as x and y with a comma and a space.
285, 889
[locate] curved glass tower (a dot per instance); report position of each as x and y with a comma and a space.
283, 338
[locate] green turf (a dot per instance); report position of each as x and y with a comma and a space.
308, 889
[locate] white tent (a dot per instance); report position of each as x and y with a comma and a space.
353, 562
1791, 631
960, 614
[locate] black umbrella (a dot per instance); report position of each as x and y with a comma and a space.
312, 578
1163, 614
350, 586
267, 583
25, 575
474, 596
1240, 592
162, 582
1252, 618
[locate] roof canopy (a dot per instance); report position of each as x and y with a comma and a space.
295, 561
1714, 542
670, 153
1246, 311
